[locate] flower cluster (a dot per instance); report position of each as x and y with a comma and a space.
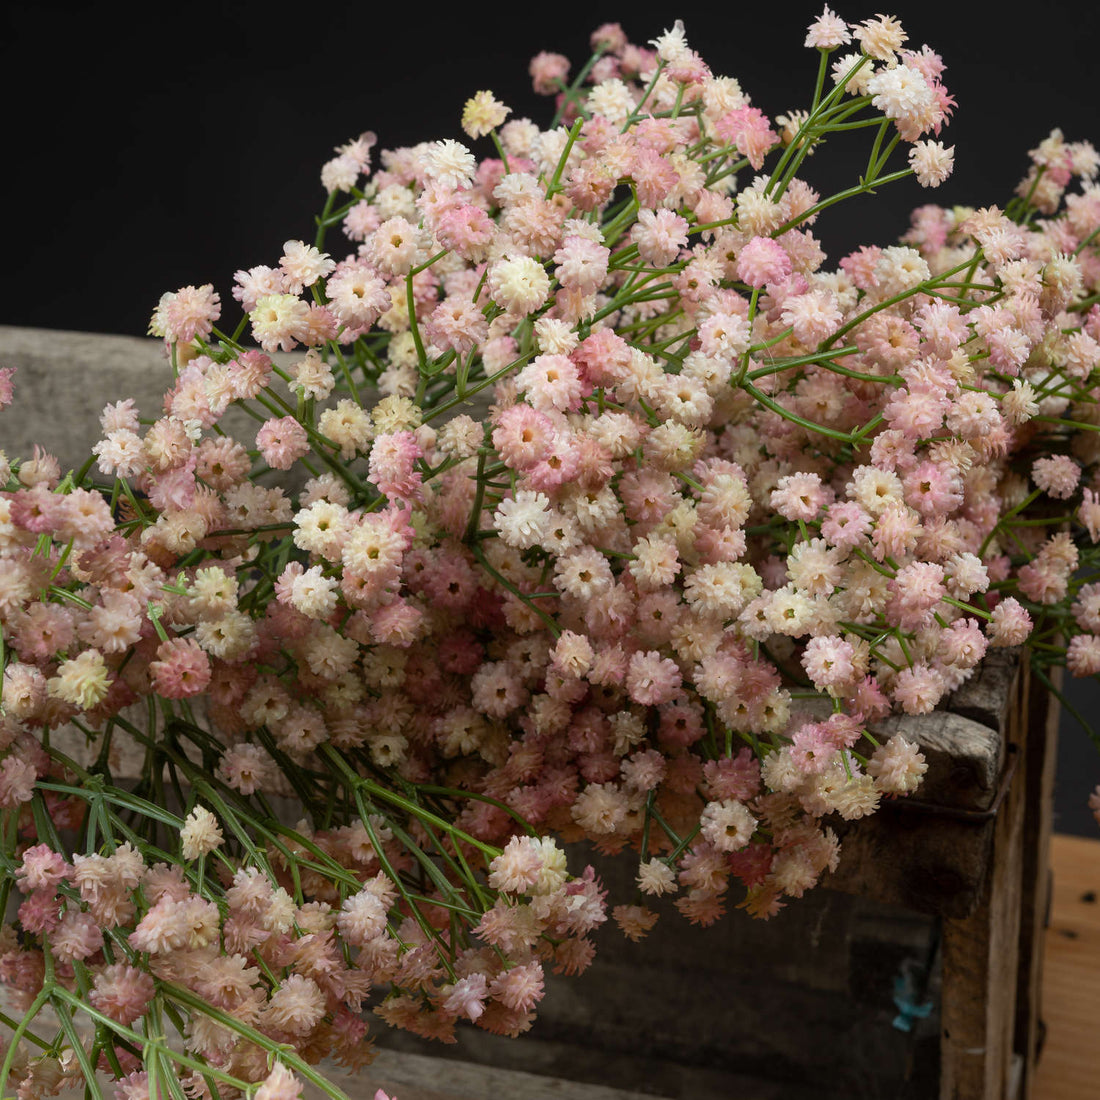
587, 503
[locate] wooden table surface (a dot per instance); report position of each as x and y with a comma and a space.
1069, 1066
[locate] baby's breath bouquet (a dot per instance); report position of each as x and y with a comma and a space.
588, 501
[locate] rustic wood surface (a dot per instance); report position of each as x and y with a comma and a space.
1041, 761
981, 951
1069, 1060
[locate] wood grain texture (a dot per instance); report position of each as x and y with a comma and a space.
1069, 1062
981, 951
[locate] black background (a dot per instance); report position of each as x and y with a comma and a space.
150, 148
169, 145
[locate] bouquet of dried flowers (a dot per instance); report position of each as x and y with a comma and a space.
586, 502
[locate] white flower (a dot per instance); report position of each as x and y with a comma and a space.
900, 92
519, 284
450, 163
672, 45
728, 825
482, 114
303, 264
200, 834
931, 162
525, 520
612, 99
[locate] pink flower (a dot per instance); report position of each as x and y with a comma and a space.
520, 988
635, 921
467, 230
918, 689
37, 509
467, 997
582, 264
799, 496
358, 295
748, 129
652, 679
659, 235
42, 869
914, 593
77, 937
282, 442
5, 385
496, 689
279, 1084
897, 766
828, 661
880, 37
297, 1005
728, 825
1089, 514
191, 312
1010, 624
457, 323
394, 247
1083, 655
245, 768
604, 357
123, 992
40, 911
523, 436
393, 458
931, 162
895, 532
548, 72
933, 489
860, 266
17, 779
250, 373
302, 265
827, 32
397, 624
1042, 580
917, 413
181, 669
256, 283
811, 749
813, 316
963, 644
516, 870
763, 261
845, 525
1056, 475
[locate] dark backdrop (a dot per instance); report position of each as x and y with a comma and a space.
146, 149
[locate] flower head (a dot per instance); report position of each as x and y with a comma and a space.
482, 114
201, 833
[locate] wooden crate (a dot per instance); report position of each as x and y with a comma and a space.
953, 884
776, 1009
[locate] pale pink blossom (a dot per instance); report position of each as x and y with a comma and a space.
827, 32
763, 261
282, 442
1010, 623
1056, 475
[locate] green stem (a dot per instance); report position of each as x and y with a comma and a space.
551, 625
36, 1005
185, 997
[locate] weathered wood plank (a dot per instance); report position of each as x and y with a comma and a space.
1042, 755
1069, 1063
981, 954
